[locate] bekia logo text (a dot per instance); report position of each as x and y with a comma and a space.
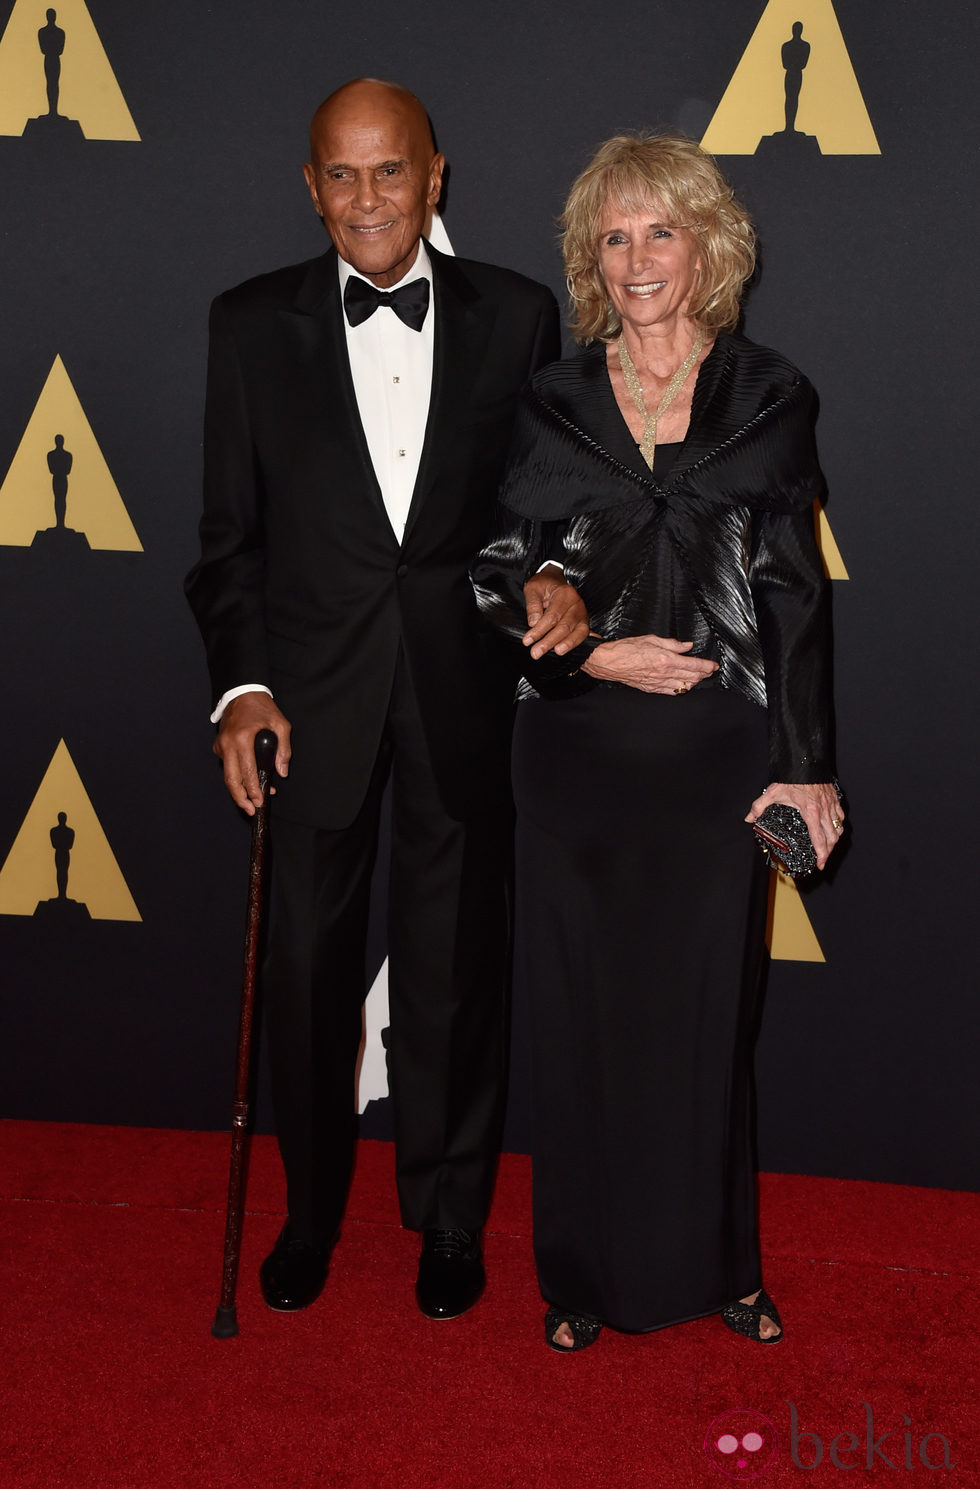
890, 1449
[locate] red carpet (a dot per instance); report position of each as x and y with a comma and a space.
111, 1259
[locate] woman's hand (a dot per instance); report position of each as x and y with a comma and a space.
654, 664
556, 614
819, 806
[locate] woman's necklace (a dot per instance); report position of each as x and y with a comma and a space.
648, 444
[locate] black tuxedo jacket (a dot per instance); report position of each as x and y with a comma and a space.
301, 583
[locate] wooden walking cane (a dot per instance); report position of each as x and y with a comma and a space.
225, 1324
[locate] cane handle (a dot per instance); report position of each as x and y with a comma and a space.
266, 745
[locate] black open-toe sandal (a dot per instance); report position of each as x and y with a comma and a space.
585, 1330
746, 1318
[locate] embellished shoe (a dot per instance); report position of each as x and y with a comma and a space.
746, 1318
585, 1330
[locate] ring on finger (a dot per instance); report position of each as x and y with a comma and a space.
837, 824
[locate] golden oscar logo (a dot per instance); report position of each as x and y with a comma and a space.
794, 93
56, 82
61, 869
833, 564
59, 494
789, 934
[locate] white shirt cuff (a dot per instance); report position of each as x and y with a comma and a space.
225, 699
550, 561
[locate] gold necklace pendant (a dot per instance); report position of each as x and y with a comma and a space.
648, 444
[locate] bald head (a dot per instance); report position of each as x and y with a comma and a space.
373, 175
374, 99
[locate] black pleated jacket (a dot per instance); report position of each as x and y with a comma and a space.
737, 510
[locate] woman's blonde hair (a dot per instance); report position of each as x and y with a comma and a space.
677, 177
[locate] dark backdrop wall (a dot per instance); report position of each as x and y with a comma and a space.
110, 252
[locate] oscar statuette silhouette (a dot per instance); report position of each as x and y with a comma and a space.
61, 909
52, 125
60, 537
789, 143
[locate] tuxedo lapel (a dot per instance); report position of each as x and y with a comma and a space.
319, 303
462, 330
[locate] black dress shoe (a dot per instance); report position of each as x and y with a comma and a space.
293, 1274
451, 1275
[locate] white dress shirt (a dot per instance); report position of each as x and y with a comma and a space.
391, 368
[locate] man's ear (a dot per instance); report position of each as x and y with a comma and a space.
435, 179
310, 175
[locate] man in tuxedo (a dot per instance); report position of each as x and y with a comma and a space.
359, 410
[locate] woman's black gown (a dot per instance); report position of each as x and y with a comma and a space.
641, 903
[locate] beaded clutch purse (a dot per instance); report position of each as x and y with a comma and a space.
783, 834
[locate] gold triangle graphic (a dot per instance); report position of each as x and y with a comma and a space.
830, 106
833, 564
86, 86
29, 878
789, 934
28, 501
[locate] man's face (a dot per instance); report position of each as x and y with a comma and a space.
372, 178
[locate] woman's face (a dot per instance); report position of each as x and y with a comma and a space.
649, 267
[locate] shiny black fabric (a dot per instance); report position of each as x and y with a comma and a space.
732, 524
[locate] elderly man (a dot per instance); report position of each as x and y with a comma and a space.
358, 414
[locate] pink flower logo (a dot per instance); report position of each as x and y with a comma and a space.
742, 1444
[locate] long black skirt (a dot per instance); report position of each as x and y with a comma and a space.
641, 903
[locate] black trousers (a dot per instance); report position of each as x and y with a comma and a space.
449, 955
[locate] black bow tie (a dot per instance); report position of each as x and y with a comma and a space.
409, 301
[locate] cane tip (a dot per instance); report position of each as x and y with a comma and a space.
225, 1324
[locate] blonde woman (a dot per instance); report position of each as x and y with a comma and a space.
669, 468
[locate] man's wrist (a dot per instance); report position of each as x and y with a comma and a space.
226, 698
